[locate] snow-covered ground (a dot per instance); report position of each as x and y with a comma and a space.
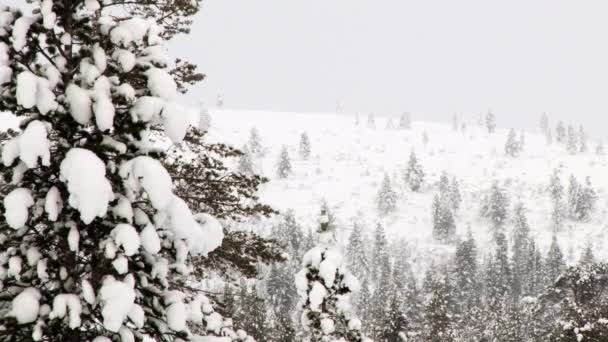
348, 163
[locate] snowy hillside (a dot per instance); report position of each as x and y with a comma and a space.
348, 163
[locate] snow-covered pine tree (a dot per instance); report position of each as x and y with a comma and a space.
495, 206
455, 122
587, 256
386, 199
490, 122
284, 168
254, 313
599, 148
405, 121
522, 141
380, 263
467, 288
438, 311
371, 121
325, 285
582, 139
356, 252
425, 138
555, 263
454, 194
586, 200
304, 146
572, 141
357, 119
379, 304
282, 297
444, 226
512, 145
414, 175
549, 137
204, 120
573, 195
560, 132
245, 165
219, 101
544, 122
255, 142
520, 252
92, 221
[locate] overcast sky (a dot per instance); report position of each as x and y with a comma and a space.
430, 57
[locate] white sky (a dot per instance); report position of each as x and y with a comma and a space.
430, 57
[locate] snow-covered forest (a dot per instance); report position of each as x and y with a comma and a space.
129, 215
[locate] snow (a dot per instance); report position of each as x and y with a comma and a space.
99, 58
87, 292
137, 315
53, 203
212, 231
327, 325
90, 191
80, 104
317, 295
30, 146
73, 239
123, 209
117, 300
16, 205
26, 81
125, 59
148, 174
25, 306
104, 111
176, 311
150, 240
48, 16
14, 267
176, 120
328, 267
33, 256
92, 5
121, 265
67, 304
126, 91
126, 236
147, 108
20, 30
161, 84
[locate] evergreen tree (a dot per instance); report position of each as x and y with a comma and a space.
355, 253
245, 162
544, 123
255, 142
219, 101
555, 263
572, 140
521, 253
444, 226
560, 132
556, 190
425, 138
389, 124
444, 185
438, 322
282, 297
455, 123
495, 206
387, 197
491, 122
204, 122
395, 326
599, 148
549, 137
573, 195
379, 306
304, 146
357, 119
587, 257
380, 264
284, 168
405, 121
522, 141
254, 319
414, 175
93, 218
371, 121
324, 286
586, 200
465, 277
512, 145
582, 139
454, 194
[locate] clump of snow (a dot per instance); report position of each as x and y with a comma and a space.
48, 16
161, 84
126, 236
25, 306
150, 175
73, 239
317, 295
125, 59
117, 299
26, 81
53, 203
150, 240
176, 310
87, 292
329, 266
213, 232
16, 205
20, 30
30, 146
80, 104
90, 191
67, 304
104, 111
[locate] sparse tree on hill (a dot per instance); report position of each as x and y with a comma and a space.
255, 142
599, 148
284, 168
444, 226
389, 124
204, 122
246, 162
560, 132
512, 145
582, 139
405, 121
387, 197
425, 138
455, 122
371, 121
495, 205
304, 146
572, 142
549, 137
490, 122
544, 123
414, 175
454, 194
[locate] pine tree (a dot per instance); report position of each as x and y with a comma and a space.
357, 119
584, 202
304, 146
380, 263
282, 297
405, 121
379, 306
284, 168
371, 121
387, 197
599, 148
454, 194
572, 141
512, 145
555, 263
491, 122
582, 139
389, 124
495, 206
465, 277
425, 138
556, 191
544, 123
438, 322
522, 141
587, 257
204, 122
92, 221
414, 175
355, 252
560, 132
254, 319
246, 162
521, 247
324, 286
395, 326
455, 123
255, 142
444, 226
444, 185
549, 137
219, 101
